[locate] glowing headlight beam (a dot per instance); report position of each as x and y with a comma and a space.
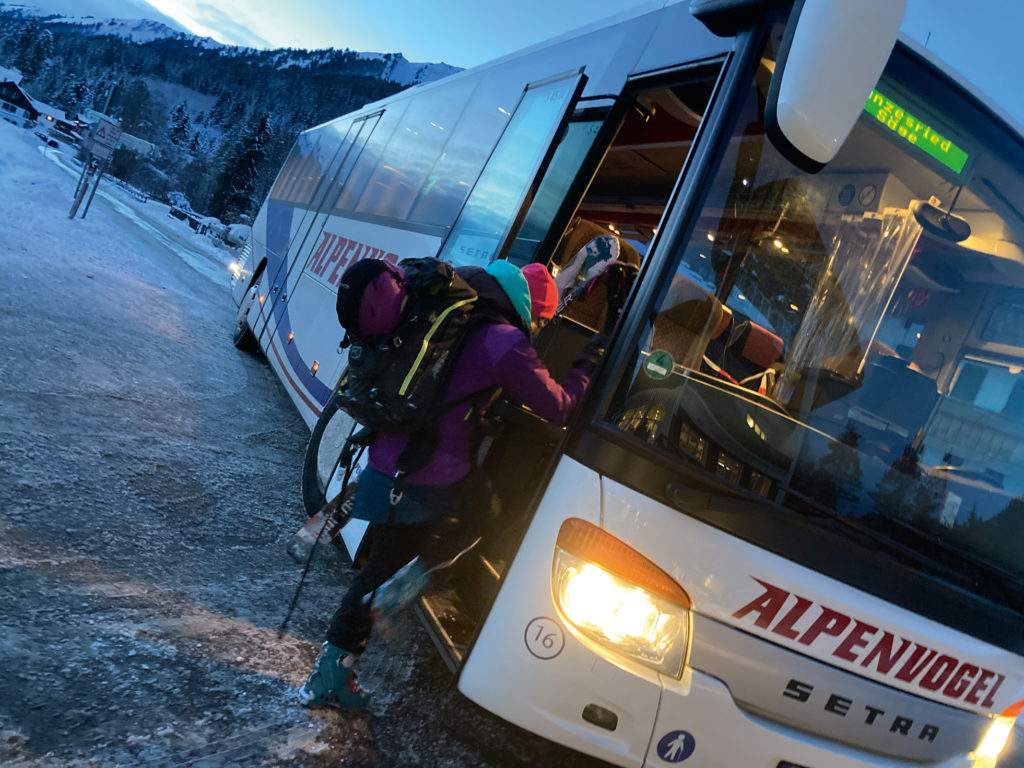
618, 598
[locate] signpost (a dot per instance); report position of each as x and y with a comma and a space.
102, 141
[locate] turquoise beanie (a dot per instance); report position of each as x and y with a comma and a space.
513, 283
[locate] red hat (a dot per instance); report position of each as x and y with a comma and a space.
543, 293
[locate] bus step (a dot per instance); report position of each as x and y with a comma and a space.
449, 629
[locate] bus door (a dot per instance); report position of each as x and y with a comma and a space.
600, 201
496, 206
286, 285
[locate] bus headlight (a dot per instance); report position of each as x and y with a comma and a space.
617, 597
987, 754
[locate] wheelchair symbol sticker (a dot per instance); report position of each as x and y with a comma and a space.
676, 746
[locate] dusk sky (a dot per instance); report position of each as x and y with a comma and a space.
979, 39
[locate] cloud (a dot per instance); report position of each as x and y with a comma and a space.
228, 30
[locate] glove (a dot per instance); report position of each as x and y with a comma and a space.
591, 354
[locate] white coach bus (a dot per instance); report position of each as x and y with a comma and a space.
786, 528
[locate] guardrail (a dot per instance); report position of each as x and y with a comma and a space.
135, 192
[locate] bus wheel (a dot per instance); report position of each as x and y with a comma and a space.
320, 468
243, 337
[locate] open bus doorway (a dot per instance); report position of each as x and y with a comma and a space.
600, 202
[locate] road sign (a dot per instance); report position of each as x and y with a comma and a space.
103, 139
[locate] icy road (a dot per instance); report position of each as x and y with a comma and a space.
149, 480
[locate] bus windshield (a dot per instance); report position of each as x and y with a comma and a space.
845, 349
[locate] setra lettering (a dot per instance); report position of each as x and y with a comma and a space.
844, 706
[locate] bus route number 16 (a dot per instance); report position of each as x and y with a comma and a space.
544, 638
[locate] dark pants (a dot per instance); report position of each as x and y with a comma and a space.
464, 509
391, 547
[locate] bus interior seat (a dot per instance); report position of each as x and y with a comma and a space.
887, 404
692, 314
749, 351
590, 308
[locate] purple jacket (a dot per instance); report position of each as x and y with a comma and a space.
495, 355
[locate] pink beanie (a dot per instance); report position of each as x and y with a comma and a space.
543, 293
371, 297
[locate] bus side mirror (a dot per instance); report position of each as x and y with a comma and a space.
832, 54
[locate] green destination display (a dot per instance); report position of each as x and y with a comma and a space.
921, 135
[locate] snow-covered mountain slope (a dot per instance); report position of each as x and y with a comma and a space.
92, 11
107, 17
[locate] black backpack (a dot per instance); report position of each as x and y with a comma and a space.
398, 385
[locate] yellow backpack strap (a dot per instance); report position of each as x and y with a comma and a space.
426, 341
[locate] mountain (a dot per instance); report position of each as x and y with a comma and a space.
95, 9
212, 111
140, 22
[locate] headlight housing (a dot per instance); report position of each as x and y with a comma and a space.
615, 596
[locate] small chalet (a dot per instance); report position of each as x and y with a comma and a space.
16, 106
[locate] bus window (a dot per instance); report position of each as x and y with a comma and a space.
370, 156
550, 196
302, 171
418, 141
485, 116
497, 201
824, 343
349, 149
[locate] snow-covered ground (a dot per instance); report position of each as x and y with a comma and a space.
32, 210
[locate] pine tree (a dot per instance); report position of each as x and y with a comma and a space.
180, 125
137, 111
236, 188
32, 48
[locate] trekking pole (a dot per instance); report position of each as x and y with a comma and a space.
347, 453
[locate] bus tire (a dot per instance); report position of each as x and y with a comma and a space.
322, 453
243, 337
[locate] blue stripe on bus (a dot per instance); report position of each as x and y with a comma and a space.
279, 226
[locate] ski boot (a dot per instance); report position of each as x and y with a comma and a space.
332, 683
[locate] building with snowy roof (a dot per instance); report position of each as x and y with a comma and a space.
15, 103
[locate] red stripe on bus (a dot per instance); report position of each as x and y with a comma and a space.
284, 369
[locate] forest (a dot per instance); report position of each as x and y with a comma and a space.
222, 118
